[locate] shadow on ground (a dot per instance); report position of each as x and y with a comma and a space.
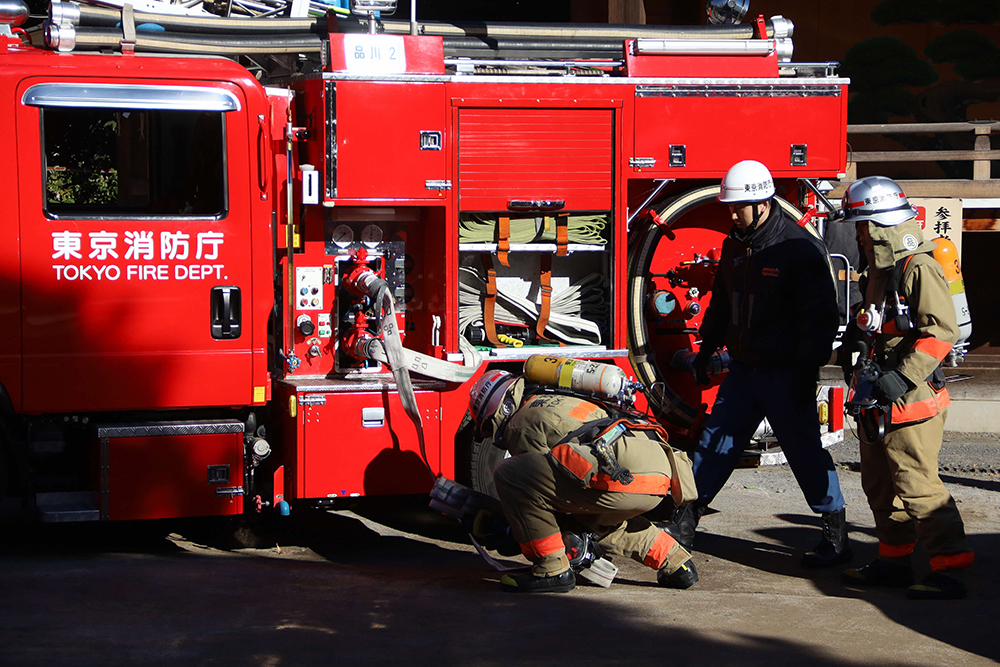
128, 595
957, 623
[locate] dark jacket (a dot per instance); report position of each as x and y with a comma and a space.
773, 302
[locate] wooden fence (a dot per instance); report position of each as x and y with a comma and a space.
981, 186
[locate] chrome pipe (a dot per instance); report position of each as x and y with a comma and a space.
705, 47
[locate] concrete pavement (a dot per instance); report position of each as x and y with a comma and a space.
398, 585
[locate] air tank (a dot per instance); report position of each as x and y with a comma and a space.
588, 377
946, 255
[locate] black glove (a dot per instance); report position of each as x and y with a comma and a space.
849, 344
493, 532
700, 367
889, 386
845, 358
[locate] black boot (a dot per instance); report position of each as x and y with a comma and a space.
683, 577
939, 586
529, 583
834, 548
684, 524
895, 573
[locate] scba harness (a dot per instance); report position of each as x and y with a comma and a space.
590, 455
872, 409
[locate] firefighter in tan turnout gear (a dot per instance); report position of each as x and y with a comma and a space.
576, 463
909, 325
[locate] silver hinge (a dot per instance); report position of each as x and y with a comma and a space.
437, 185
229, 491
642, 162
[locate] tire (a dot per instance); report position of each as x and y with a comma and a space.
484, 458
476, 459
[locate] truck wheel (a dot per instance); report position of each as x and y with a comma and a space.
476, 459
484, 457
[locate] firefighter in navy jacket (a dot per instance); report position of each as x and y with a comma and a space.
774, 307
553, 474
901, 436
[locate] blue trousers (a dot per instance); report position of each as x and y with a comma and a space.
787, 397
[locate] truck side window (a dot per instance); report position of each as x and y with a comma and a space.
133, 163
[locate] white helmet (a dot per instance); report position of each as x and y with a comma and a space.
746, 182
879, 199
486, 400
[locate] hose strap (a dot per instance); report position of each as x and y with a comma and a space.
490, 302
545, 287
503, 240
562, 234
128, 29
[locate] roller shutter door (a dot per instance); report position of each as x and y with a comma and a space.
536, 154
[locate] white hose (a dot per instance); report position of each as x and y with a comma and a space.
566, 322
433, 367
584, 229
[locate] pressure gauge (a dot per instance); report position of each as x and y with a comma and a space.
343, 236
371, 235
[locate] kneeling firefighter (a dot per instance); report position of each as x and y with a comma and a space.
899, 396
578, 463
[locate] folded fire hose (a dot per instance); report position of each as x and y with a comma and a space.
566, 321
583, 229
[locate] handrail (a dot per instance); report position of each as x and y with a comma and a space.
980, 126
981, 156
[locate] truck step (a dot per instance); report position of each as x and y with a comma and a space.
67, 507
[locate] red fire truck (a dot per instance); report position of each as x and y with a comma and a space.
254, 262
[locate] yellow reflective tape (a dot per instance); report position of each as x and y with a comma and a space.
566, 373
957, 287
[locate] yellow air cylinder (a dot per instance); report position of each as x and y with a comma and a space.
946, 255
580, 375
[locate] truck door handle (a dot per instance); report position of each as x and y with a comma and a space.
263, 168
536, 204
226, 313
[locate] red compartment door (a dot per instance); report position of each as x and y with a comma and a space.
364, 444
536, 155
716, 126
383, 152
163, 473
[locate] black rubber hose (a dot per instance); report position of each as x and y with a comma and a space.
559, 30
107, 17
89, 39
104, 17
